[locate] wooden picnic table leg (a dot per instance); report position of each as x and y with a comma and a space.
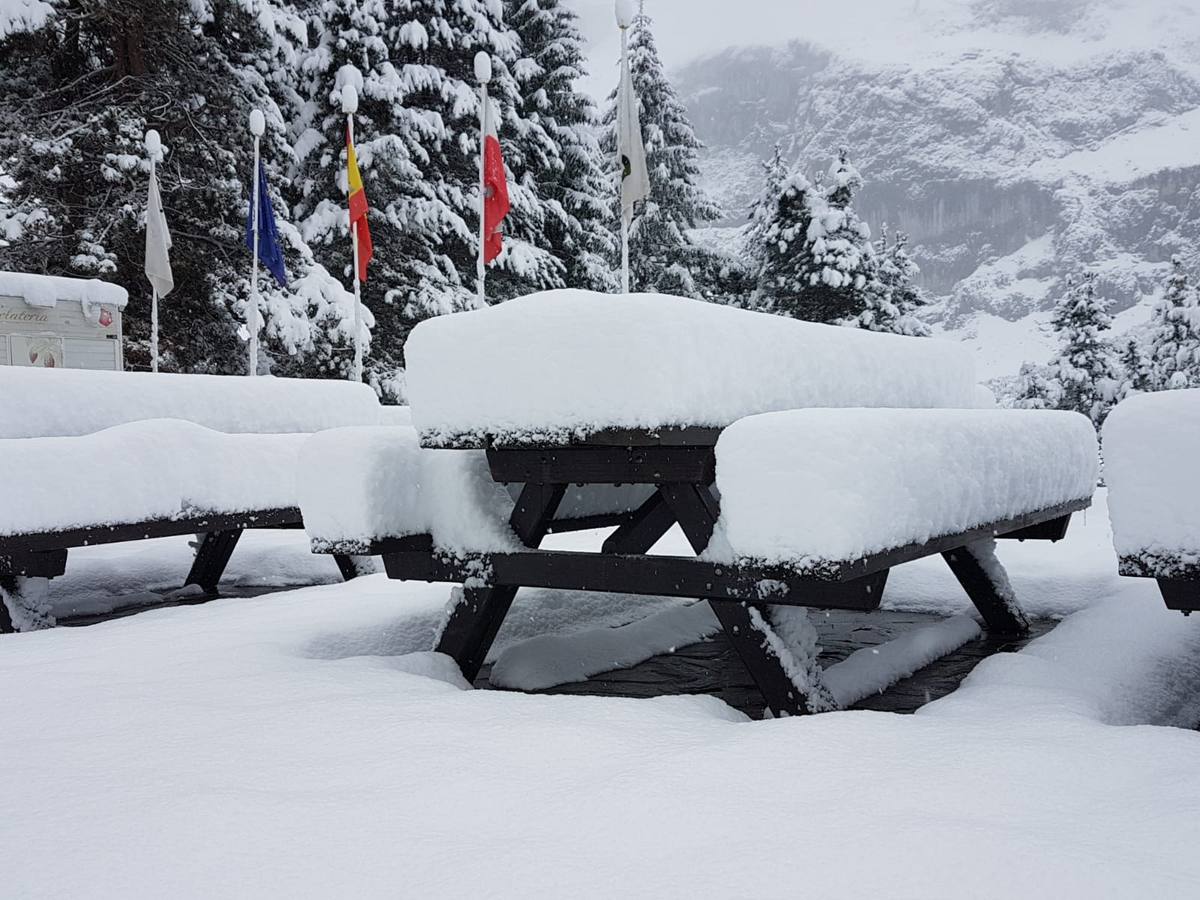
986, 583
649, 522
747, 625
212, 556
472, 625
347, 565
8, 586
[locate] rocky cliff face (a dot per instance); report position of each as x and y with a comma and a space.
1008, 171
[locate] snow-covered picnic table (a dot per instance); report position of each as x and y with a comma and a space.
191, 454
718, 413
1152, 466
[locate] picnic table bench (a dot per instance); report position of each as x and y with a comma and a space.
1151, 454
92, 458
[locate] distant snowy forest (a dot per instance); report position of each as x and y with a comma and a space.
81, 81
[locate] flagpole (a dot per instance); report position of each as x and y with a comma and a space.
483, 72
153, 149
257, 128
349, 106
624, 15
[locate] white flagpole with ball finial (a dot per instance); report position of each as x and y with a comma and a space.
154, 151
258, 126
483, 73
624, 12
350, 107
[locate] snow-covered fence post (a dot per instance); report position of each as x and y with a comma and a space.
483, 73
350, 107
258, 126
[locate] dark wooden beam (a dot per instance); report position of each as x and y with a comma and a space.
44, 564
590, 523
696, 510
992, 598
152, 528
8, 585
348, 565
1180, 594
603, 465
643, 528
473, 623
668, 576
212, 556
892, 558
762, 662
1050, 530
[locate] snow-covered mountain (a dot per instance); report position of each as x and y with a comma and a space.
1017, 143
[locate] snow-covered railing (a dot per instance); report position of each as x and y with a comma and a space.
1152, 468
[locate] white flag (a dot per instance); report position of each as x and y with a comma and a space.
158, 242
635, 179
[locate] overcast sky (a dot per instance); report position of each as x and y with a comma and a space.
909, 31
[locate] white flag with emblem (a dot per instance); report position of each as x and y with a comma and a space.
631, 152
158, 242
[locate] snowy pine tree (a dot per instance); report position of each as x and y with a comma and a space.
1084, 370
783, 278
762, 210
662, 256
1175, 334
1037, 388
569, 174
895, 298
838, 261
79, 93
417, 140
1136, 374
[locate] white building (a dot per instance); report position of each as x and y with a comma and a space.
69, 323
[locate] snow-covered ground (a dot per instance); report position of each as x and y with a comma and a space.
302, 744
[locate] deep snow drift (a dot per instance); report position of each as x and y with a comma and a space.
286, 745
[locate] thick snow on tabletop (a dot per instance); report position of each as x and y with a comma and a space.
569, 362
158, 469
816, 486
48, 290
361, 484
37, 402
1152, 466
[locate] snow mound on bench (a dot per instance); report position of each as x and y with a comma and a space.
1152, 466
38, 402
812, 488
569, 362
362, 484
159, 469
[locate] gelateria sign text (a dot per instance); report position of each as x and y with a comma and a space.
28, 316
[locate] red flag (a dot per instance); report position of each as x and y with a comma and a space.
495, 188
358, 210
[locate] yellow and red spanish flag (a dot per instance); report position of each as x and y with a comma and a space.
358, 210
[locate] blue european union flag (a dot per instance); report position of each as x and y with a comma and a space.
269, 250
